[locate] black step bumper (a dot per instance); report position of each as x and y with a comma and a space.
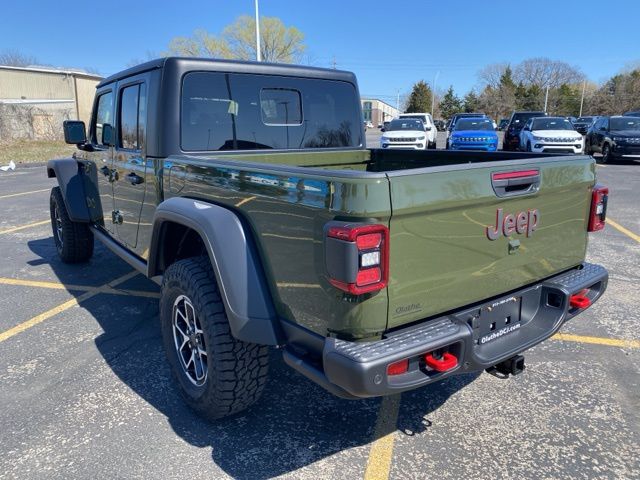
359, 369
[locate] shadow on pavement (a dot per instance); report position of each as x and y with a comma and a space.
295, 423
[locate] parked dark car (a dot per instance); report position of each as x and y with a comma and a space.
440, 125
582, 124
633, 113
614, 137
511, 139
503, 124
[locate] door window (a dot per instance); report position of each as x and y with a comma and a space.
132, 117
103, 114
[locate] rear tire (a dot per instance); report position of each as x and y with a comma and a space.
74, 240
218, 375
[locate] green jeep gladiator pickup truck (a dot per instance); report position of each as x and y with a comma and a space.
245, 190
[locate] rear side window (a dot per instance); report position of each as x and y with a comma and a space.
103, 114
223, 111
132, 117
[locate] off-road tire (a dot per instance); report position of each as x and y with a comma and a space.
236, 371
74, 240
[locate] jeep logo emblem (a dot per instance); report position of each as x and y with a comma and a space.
523, 222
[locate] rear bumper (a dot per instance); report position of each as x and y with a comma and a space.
359, 369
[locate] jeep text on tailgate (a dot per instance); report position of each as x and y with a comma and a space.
246, 192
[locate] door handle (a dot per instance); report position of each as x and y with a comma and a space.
135, 179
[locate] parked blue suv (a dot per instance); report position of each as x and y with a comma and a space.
473, 134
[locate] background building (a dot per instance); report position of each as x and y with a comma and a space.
35, 101
376, 111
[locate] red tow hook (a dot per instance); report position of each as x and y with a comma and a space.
444, 364
579, 301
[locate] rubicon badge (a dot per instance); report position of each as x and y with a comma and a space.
522, 222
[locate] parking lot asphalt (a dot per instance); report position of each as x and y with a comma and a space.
86, 391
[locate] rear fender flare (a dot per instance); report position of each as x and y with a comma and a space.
69, 174
235, 261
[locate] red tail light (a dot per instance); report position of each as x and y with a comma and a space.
598, 213
359, 262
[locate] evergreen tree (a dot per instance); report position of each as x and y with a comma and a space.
450, 104
420, 98
471, 102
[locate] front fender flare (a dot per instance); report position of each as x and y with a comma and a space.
69, 175
235, 261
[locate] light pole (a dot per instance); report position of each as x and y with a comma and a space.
258, 55
584, 86
433, 93
546, 99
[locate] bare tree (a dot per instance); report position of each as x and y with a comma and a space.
491, 74
14, 58
545, 72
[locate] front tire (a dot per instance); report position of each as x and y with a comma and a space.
606, 154
74, 240
528, 146
218, 375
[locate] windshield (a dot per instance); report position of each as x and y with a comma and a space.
519, 119
474, 124
422, 118
405, 124
551, 124
584, 119
626, 123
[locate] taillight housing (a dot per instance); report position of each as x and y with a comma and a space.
357, 256
598, 213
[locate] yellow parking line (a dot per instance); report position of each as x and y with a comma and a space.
61, 308
246, 200
381, 453
610, 342
81, 288
24, 193
620, 228
42, 284
22, 227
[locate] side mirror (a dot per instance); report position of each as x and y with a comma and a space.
74, 132
382, 129
427, 129
108, 137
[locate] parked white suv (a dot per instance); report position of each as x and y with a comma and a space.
430, 127
550, 135
406, 133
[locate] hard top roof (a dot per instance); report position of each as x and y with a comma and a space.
233, 66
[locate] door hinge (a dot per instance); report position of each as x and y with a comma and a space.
116, 217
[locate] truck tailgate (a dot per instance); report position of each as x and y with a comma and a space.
442, 254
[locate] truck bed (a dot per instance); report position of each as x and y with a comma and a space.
438, 206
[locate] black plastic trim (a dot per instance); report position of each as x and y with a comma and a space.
359, 368
235, 260
70, 178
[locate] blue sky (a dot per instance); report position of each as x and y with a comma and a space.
388, 44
